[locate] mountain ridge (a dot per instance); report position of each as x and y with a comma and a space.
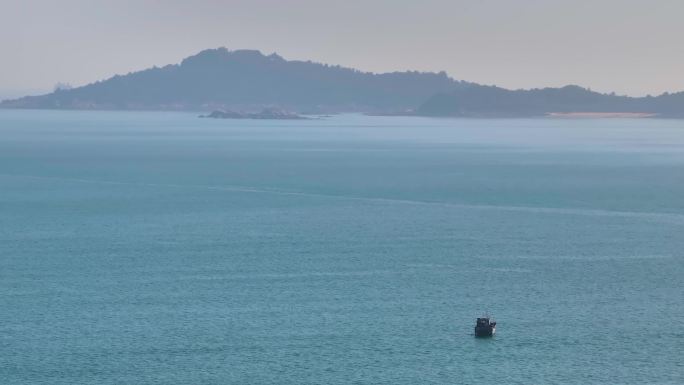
492, 101
248, 80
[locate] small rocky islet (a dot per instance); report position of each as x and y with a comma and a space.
267, 113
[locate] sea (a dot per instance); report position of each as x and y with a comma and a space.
161, 248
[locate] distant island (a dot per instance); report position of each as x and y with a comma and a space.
571, 101
244, 80
266, 113
221, 80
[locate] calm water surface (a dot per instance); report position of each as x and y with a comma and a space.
159, 248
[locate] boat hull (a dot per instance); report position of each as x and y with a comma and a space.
485, 331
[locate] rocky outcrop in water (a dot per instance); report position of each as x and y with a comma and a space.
267, 113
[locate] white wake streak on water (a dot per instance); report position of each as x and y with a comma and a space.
672, 218
312, 274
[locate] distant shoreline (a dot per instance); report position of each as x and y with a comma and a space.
602, 115
551, 115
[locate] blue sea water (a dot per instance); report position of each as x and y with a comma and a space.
159, 248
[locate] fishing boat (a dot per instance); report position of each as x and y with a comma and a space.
485, 327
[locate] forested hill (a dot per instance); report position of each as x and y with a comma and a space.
247, 80
244, 79
485, 101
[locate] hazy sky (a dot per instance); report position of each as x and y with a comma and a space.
628, 46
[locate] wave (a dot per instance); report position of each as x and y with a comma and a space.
671, 218
580, 257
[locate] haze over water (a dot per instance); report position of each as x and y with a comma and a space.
158, 248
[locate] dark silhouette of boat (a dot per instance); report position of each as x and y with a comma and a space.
484, 327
